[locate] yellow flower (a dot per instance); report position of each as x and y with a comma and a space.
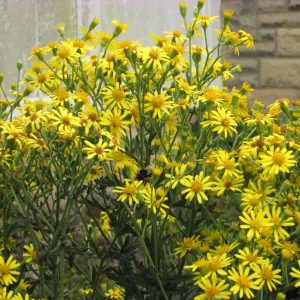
120, 27
7, 295
7, 270
227, 183
94, 173
296, 274
277, 223
213, 289
116, 120
254, 222
246, 39
277, 160
129, 192
227, 163
205, 20
155, 199
244, 283
266, 275
31, 253
188, 244
158, 103
99, 150
116, 293
63, 119
115, 96
196, 186
248, 257
66, 54
153, 57
215, 265
174, 179
222, 122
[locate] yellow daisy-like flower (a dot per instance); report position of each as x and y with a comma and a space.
129, 191
213, 289
275, 218
221, 122
244, 283
30, 253
205, 21
277, 160
7, 295
296, 274
115, 96
155, 199
196, 187
99, 150
94, 173
116, 293
116, 121
227, 183
215, 265
63, 119
188, 244
154, 57
174, 179
7, 270
254, 222
248, 257
158, 103
266, 275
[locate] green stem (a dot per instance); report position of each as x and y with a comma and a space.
146, 251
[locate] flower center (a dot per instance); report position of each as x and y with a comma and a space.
211, 292
278, 158
157, 101
4, 269
117, 94
225, 122
115, 122
129, 190
243, 281
98, 150
41, 78
229, 165
251, 258
255, 223
154, 54
267, 274
197, 186
63, 53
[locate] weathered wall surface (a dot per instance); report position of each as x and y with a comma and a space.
28, 23
273, 66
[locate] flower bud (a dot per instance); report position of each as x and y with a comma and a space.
19, 66
227, 15
1, 77
183, 7
94, 23
280, 296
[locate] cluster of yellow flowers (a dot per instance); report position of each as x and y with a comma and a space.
132, 176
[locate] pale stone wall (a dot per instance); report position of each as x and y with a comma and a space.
273, 66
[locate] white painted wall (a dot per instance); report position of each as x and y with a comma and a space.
27, 23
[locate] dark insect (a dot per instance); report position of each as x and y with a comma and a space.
144, 174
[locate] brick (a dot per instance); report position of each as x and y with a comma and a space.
288, 42
252, 78
260, 49
246, 22
285, 19
270, 95
279, 72
294, 4
272, 5
249, 65
266, 34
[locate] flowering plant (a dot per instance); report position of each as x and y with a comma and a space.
132, 177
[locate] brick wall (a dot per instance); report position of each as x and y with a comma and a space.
273, 66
